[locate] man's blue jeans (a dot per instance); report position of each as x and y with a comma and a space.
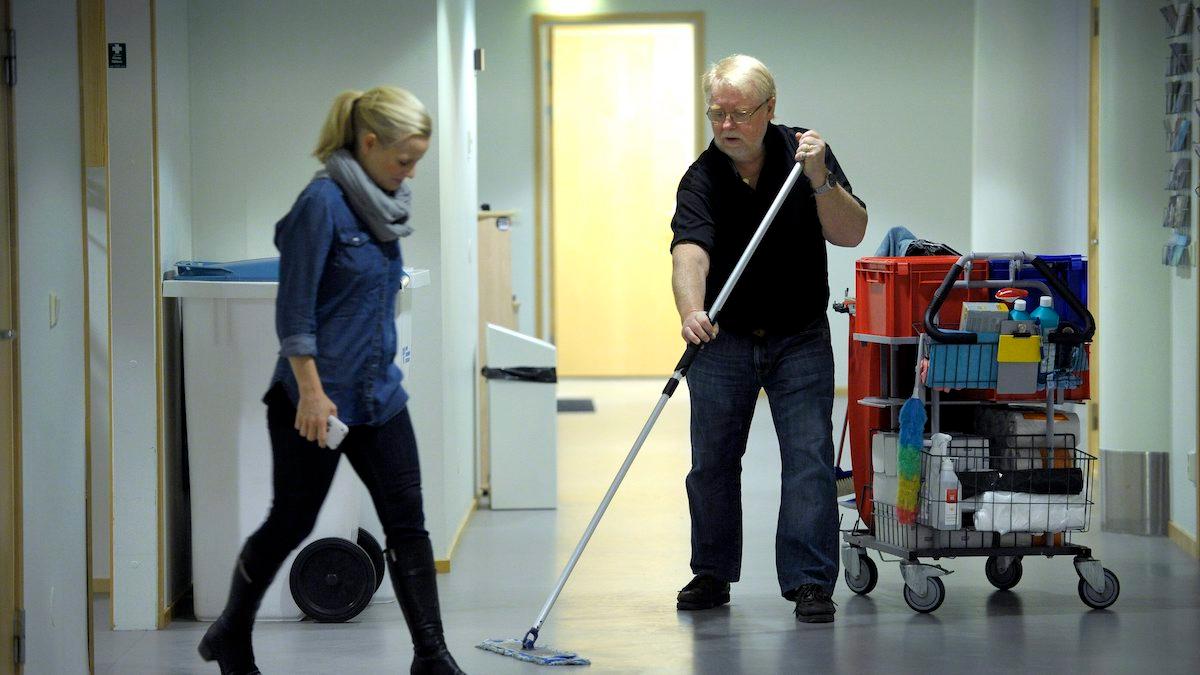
797, 373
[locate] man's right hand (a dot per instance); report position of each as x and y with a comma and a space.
697, 328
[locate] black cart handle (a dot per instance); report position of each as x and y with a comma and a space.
1058, 336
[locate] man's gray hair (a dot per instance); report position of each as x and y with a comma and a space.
744, 73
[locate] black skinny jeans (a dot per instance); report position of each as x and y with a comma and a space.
385, 458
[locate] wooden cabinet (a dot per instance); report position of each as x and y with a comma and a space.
497, 305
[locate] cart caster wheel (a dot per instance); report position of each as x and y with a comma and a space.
1112, 588
368, 542
868, 576
332, 580
1006, 580
935, 593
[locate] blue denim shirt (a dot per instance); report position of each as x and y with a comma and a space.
336, 302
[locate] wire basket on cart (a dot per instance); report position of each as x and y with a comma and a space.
1008, 495
1004, 497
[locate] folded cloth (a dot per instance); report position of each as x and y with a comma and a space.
1006, 512
1033, 481
900, 241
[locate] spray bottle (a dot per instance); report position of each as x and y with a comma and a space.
949, 516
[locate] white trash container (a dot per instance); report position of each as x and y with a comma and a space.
522, 420
229, 352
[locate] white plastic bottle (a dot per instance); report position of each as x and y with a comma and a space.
948, 517
932, 466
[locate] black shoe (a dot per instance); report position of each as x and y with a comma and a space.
440, 663
228, 641
704, 592
813, 604
415, 579
230, 648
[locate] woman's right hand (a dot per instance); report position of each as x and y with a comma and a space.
312, 416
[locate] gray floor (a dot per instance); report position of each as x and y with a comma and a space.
618, 607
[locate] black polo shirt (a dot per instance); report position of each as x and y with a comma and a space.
785, 287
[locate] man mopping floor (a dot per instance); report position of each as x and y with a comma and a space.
774, 335
794, 361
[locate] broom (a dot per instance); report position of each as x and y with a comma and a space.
843, 478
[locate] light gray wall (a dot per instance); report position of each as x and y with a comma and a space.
1148, 345
1185, 294
460, 253
49, 202
262, 76
133, 314
1029, 147
1183, 391
889, 85
1134, 315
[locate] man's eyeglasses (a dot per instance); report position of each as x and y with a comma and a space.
717, 116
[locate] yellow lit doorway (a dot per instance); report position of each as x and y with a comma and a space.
622, 117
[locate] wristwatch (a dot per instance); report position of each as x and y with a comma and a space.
830, 183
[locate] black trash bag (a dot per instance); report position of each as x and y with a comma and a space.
926, 247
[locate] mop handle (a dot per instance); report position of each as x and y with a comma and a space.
680, 371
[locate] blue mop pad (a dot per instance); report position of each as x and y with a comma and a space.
542, 656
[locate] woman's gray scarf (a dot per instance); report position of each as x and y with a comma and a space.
385, 214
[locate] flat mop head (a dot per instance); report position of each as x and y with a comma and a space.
543, 656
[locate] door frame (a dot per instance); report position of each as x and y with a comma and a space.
92, 141
11, 572
543, 168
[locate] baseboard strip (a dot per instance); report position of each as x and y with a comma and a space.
1182, 539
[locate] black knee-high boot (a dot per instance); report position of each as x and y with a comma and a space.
415, 579
228, 639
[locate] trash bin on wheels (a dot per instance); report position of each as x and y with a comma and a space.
229, 351
522, 420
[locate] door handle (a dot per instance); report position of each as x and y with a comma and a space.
8, 334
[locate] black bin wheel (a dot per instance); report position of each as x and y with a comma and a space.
368, 543
935, 593
1112, 588
1011, 576
868, 576
332, 580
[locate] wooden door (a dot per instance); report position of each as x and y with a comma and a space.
623, 131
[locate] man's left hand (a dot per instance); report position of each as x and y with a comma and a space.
812, 153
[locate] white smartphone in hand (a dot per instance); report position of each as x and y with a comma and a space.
335, 432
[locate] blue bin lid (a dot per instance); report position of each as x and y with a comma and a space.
258, 269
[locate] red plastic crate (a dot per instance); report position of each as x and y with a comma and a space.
864, 380
893, 293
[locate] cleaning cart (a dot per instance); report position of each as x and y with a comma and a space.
999, 473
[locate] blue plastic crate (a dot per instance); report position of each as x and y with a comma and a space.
1070, 269
969, 366
258, 269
